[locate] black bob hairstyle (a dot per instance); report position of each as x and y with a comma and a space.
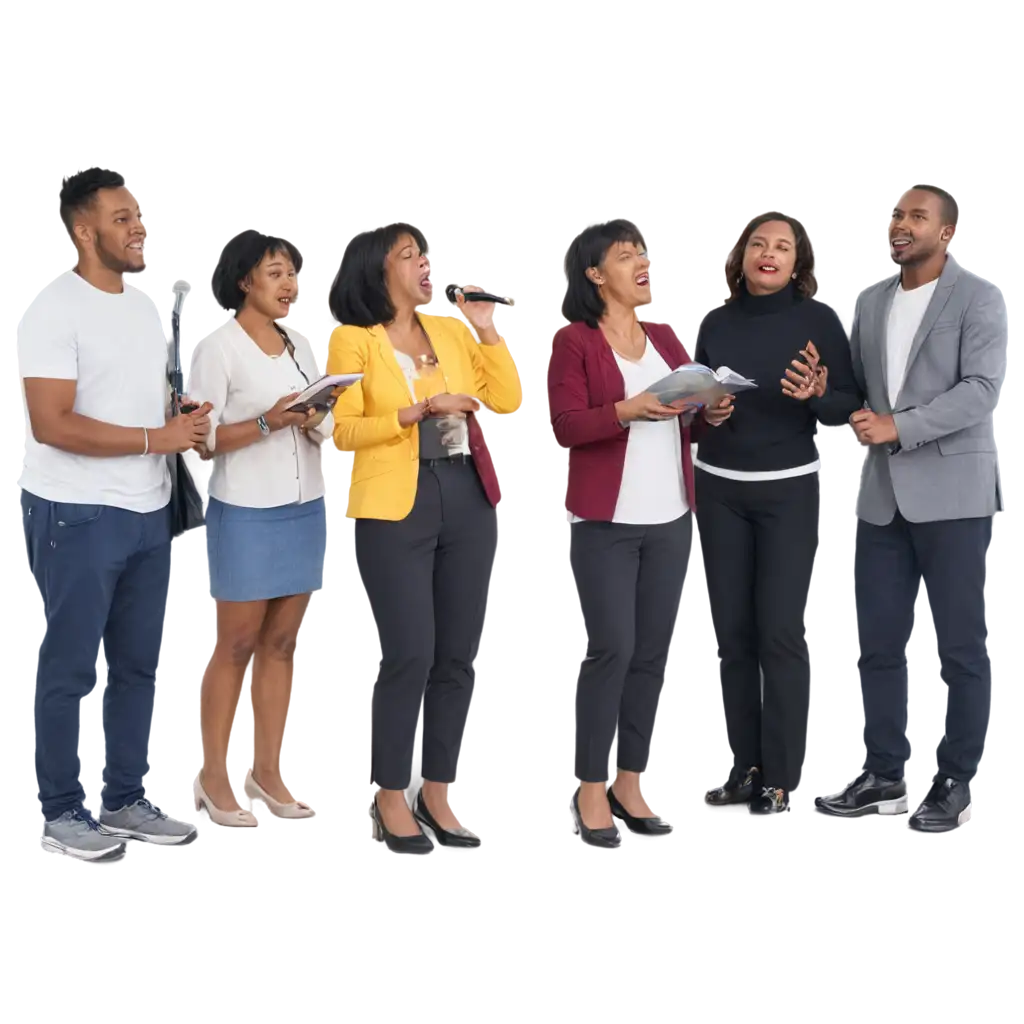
79, 192
359, 295
805, 282
582, 300
241, 256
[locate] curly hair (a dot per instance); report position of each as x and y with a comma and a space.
804, 269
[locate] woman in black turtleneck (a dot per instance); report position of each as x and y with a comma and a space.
757, 498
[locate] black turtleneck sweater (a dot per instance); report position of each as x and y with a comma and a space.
758, 336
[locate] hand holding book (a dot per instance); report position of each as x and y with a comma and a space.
699, 385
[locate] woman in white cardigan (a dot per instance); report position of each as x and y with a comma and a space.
265, 527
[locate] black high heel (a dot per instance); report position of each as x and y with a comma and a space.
459, 837
418, 843
606, 838
641, 826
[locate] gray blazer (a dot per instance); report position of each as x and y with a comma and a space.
945, 465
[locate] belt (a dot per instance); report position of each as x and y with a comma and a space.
459, 458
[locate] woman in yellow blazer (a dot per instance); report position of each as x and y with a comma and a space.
423, 496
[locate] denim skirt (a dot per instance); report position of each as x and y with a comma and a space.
257, 554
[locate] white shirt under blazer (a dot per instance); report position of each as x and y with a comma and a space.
241, 382
652, 491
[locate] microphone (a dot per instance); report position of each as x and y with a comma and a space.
453, 291
181, 289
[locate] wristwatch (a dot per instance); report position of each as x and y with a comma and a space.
261, 422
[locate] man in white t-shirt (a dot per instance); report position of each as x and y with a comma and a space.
95, 499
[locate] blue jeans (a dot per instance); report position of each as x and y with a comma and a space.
103, 573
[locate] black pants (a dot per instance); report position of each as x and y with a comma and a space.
891, 561
759, 539
630, 579
427, 577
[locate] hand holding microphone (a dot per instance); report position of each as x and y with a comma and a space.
478, 308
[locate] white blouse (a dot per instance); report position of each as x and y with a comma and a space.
652, 490
231, 372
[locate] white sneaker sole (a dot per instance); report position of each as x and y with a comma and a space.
963, 817
146, 837
886, 808
51, 845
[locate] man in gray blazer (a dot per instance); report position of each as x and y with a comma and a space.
929, 353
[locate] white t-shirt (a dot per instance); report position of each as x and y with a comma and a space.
905, 316
114, 348
652, 490
242, 382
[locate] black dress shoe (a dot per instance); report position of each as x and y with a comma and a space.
770, 801
867, 794
418, 843
742, 785
607, 838
641, 826
946, 807
460, 837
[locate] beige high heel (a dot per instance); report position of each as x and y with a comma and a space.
296, 809
233, 819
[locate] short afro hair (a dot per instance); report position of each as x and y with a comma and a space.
79, 192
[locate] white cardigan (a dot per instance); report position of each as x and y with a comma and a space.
230, 371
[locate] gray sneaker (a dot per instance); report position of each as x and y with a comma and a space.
77, 834
141, 820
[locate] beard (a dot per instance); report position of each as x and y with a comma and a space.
112, 261
917, 256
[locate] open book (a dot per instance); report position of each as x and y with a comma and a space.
320, 394
697, 384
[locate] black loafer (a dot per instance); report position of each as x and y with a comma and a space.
418, 843
770, 801
458, 837
867, 794
946, 807
742, 785
606, 838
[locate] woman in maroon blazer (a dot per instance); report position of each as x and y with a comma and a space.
629, 500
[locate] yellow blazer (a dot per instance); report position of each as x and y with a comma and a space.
386, 464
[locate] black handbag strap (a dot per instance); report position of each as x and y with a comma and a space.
290, 349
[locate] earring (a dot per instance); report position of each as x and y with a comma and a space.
740, 278
793, 277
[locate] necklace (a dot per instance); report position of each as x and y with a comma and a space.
630, 348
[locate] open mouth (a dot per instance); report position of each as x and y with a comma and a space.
285, 300
643, 279
425, 282
899, 244
135, 246
768, 268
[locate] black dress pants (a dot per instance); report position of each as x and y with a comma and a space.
891, 562
759, 539
630, 580
427, 578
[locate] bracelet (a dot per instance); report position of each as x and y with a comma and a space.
145, 434
261, 422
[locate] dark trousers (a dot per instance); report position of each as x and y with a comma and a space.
890, 564
427, 578
759, 539
103, 573
630, 579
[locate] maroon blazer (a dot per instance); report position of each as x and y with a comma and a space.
482, 460
584, 383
